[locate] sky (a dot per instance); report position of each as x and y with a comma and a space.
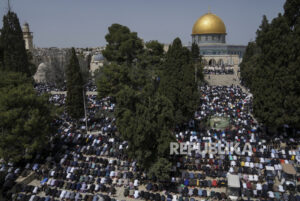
84, 23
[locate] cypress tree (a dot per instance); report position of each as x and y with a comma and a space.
270, 68
271, 72
292, 77
196, 57
249, 64
74, 102
13, 46
177, 82
195, 52
292, 12
1, 56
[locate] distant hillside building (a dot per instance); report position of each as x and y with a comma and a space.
28, 37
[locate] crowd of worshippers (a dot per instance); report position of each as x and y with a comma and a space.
48, 87
258, 169
218, 70
96, 167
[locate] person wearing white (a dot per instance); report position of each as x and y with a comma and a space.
136, 194
136, 183
62, 194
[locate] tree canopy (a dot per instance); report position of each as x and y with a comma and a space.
270, 69
152, 90
146, 123
25, 118
195, 52
122, 44
177, 82
74, 101
12, 45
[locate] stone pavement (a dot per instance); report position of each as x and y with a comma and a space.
224, 80
221, 80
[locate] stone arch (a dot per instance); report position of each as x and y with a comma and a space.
212, 62
220, 62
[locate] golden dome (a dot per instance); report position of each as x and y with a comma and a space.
209, 24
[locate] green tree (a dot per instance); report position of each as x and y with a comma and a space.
144, 115
123, 45
155, 48
249, 64
177, 82
112, 78
122, 49
146, 122
84, 67
74, 101
149, 65
12, 79
195, 51
13, 46
152, 57
268, 93
161, 169
292, 12
88, 60
197, 61
25, 118
269, 69
1, 55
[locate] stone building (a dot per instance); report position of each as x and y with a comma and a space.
209, 33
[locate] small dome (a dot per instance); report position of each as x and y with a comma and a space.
209, 24
40, 75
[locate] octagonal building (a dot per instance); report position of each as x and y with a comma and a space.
209, 33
